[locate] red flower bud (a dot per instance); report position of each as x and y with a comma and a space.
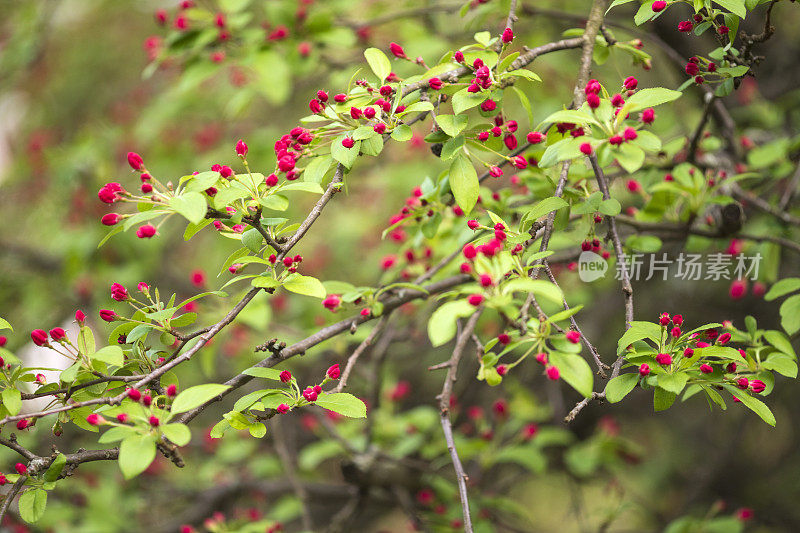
154, 421
241, 148
332, 302
664, 359
501, 370
135, 161
706, 369
630, 83
586, 148
110, 219
22, 424
145, 232
757, 386
57, 334
348, 142
21, 469
282, 408
724, 338
108, 315
552, 373
122, 418
535, 137
286, 376
333, 372
397, 50
39, 337
435, 84
94, 419
172, 390
118, 292
134, 394
658, 6
593, 100
459, 56
504, 338
644, 369
508, 35
685, 26
475, 299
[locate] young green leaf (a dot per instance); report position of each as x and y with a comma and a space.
196, 396
343, 403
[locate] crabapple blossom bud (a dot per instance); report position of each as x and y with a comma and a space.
459, 56
94, 419
617, 100
501, 370
154, 421
473, 224
57, 334
315, 106
510, 141
241, 148
504, 338
271, 180
22, 424
332, 302
706, 369
470, 252
691, 69
80, 316
21, 469
675, 332
282, 408
630, 83
286, 376
397, 50
648, 115
593, 100
145, 232
475, 299
485, 280
685, 26
630, 134
757, 386
541, 358
134, 394
172, 390
586, 148
724, 338
573, 336
39, 337
664, 359
309, 394
688, 352
644, 369
508, 35
110, 219
743, 383
552, 373
435, 84
634, 187
488, 105
658, 6
535, 137
333, 372
135, 161
723, 30
118, 292
348, 142
592, 86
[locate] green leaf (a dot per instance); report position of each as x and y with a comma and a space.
780, 342
663, 399
464, 182
5, 325
649, 98
111, 355
452, 125
177, 433
32, 504
673, 382
265, 282
539, 287
643, 243
442, 324
734, 6
782, 288
319, 166
135, 454
621, 386
545, 207
378, 62
574, 370
343, 403
782, 364
463, 100
617, 3
570, 116
639, 330
402, 133
790, 314
630, 157
345, 156
55, 468
196, 396
306, 285
191, 205
754, 404
86, 340
12, 400
263, 372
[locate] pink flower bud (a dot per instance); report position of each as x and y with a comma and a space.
94, 419
675, 332
504, 338
706, 369
110, 219
282, 408
475, 299
135, 161
724, 338
685, 26
658, 6
172, 390
535, 137
118, 292
459, 56
348, 142
397, 50
21, 469
630, 83
630, 134
688, 352
435, 84
333, 372
22, 424
154, 421
552, 373
80, 317
241, 148
501, 370
743, 383
39, 337
485, 280
57, 334
664, 359
573, 336
146, 232
586, 149
332, 302
108, 315
122, 418
648, 115
508, 35
286, 376
644, 369
134, 394
757, 386
593, 100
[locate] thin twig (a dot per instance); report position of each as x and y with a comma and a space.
444, 415
351, 361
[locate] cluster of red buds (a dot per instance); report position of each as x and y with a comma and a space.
696, 66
